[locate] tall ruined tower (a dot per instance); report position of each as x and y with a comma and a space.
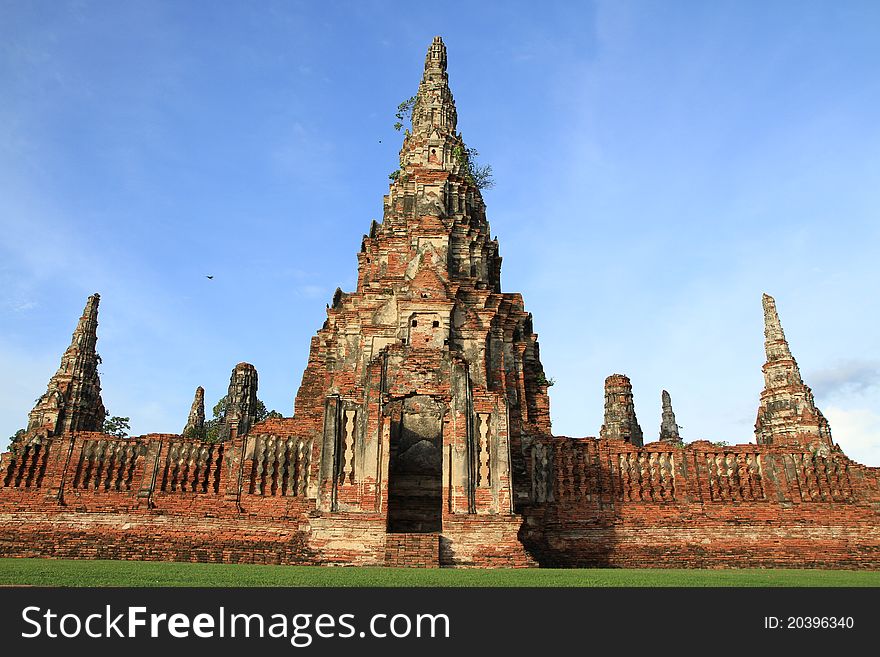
241, 402
425, 384
72, 401
195, 422
668, 426
620, 412
787, 413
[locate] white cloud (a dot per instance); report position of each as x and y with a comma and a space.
857, 431
847, 377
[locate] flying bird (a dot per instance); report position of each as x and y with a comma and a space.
209, 277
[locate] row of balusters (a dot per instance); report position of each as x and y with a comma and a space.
647, 477
822, 479
192, 467
734, 477
650, 476
577, 473
27, 470
106, 465
280, 466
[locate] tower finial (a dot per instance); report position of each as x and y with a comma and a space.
72, 401
620, 413
435, 107
668, 427
775, 343
787, 412
195, 423
436, 57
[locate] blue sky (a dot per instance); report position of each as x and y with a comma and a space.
658, 166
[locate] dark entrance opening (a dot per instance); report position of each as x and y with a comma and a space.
415, 470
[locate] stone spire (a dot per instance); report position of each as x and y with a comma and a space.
775, 344
434, 145
241, 402
435, 108
668, 427
787, 413
72, 401
195, 423
620, 412
427, 344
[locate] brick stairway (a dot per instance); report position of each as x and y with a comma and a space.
412, 550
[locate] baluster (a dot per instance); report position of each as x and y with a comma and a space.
662, 482
654, 492
302, 474
754, 461
733, 482
670, 475
100, 458
185, 466
290, 458
131, 454
745, 479
175, 465
109, 466
123, 451
584, 472
219, 452
834, 477
826, 478
261, 468
642, 477
348, 451
283, 466
271, 465
623, 476
90, 466
812, 477
712, 471
205, 468
632, 467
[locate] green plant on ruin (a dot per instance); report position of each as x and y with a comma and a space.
215, 424
404, 112
720, 443
397, 175
194, 434
16, 438
117, 426
480, 176
542, 380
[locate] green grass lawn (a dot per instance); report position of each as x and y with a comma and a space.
50, 572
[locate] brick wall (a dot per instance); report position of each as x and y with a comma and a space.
608, 503
593, 503
412, 550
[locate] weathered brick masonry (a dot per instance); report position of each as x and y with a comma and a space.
609, 503
421, 434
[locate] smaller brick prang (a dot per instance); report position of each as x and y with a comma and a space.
241, 402
195, 423
668, 427
620, 413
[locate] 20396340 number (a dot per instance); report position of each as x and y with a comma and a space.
809, 622
820, 622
